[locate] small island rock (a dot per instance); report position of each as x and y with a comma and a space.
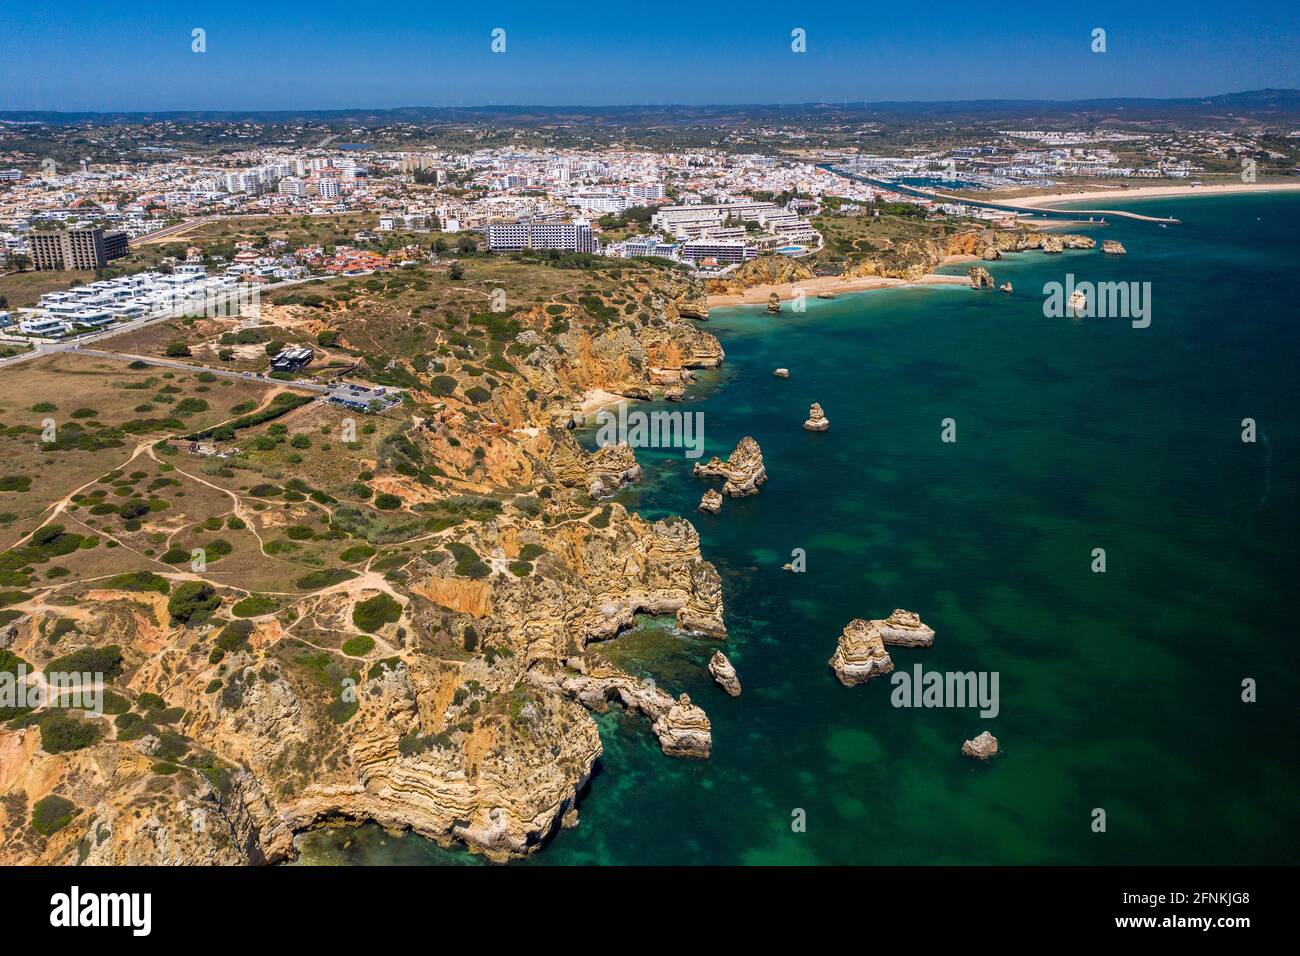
724, 673
861, 654
743, 469
981, 748
817, 420
684, 731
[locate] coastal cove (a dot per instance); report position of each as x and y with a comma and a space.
1119, 691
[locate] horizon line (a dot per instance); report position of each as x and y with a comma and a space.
826, 103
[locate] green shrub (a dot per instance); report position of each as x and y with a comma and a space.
106, 660
358, 646
254, 605
52, 813
323, 579
61, 733
192, 602
468, 563
234, 636
137, 581
372, 614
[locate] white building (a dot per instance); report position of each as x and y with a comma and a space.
573, 236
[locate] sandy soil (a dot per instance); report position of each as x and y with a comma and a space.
1149, 192
594, 399
836, 284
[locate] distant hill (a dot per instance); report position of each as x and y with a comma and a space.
1257, 105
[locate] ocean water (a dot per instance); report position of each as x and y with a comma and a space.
1119, 691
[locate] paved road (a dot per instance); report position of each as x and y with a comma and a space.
166, 231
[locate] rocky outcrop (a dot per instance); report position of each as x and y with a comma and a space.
765, 270
685, 731
682, 728
601, 473
1053, 243
724, 673
774, 303
693, 301
1005, 287
990, 244
1077, 304
743, 469
1113, 247
782, 373
860, 654
681, 345
711, 502
904, 628
979, 277
817, 420
982, 747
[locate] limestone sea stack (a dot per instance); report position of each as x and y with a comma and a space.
817, 420
981, 748
1005, 287
711, 502
1113, 247
980, 277
684, 731
724, 673
743, 470
782, 373
904, 628
861, 654
1077, 302
774, 303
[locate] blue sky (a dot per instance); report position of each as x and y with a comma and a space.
325, 54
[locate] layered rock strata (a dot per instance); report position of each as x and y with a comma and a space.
743, 470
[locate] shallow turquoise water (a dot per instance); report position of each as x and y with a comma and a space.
1119, 691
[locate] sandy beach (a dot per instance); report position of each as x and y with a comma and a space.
758, 294
1147, 192
594, 399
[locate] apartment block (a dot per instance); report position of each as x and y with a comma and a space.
76, 249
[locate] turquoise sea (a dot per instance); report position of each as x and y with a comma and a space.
1119, 691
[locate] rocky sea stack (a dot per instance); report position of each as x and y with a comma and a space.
817, 420
711, 502
1113, 247
743, 469
861, 653
724, 673
685, 731
980, 278
981, 748
904, 628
